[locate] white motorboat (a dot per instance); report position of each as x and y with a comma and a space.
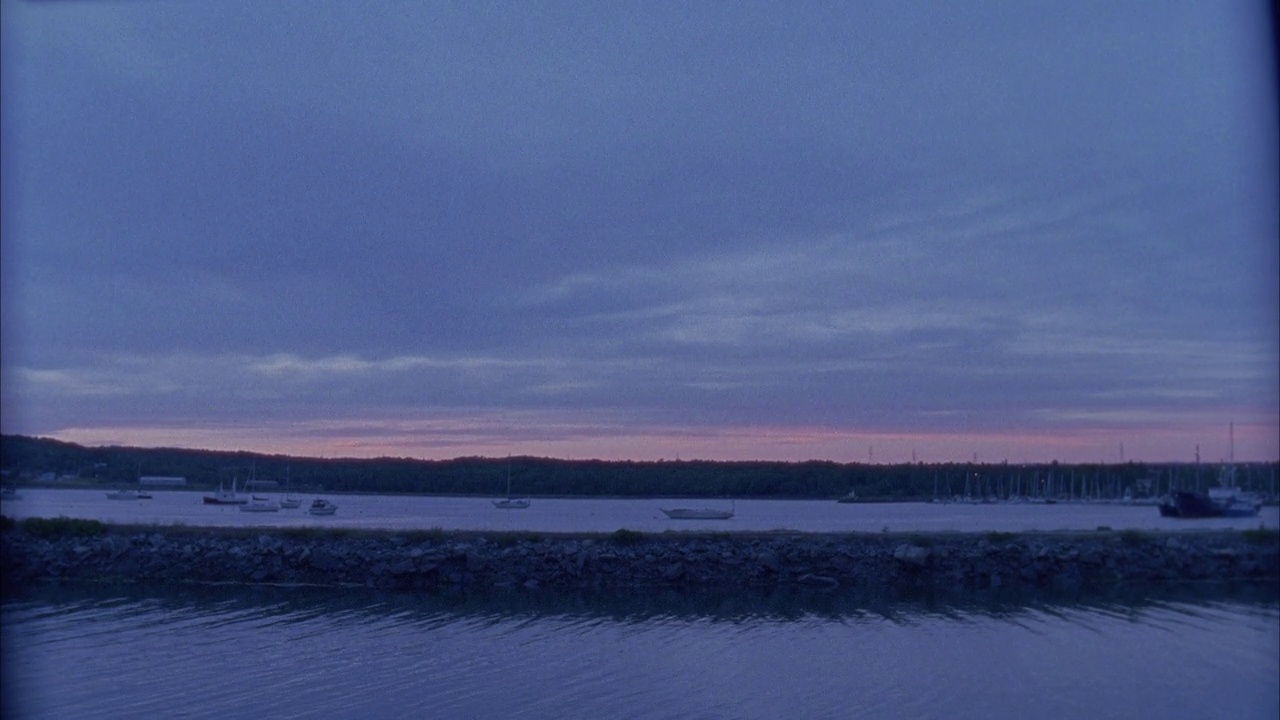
320, 506
257, 503
697, 513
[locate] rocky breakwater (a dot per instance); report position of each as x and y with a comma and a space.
436, 560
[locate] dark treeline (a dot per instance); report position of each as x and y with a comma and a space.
27, 459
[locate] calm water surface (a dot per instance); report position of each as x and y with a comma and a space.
111, 652
608, 515
86, 651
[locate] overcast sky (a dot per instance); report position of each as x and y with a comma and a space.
855, 231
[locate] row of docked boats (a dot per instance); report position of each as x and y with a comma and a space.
261, 504
677, 513
252, 503
258, 503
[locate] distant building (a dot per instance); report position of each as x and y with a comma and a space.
162, 480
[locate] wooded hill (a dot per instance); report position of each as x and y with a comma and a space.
25, 459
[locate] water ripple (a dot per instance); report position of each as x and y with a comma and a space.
293, 653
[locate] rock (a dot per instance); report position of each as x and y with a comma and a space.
818, 580
911, 554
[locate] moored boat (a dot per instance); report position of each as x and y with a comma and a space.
696, 513
128, 494
510, 503
289, 502
1226, 500
1187, 504
258, 503
1229, 498
226, 497
320, 506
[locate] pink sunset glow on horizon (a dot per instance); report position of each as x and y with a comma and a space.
1248, 443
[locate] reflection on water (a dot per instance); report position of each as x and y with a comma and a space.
96, 651
234, 603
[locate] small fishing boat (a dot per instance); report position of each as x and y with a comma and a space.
320, 506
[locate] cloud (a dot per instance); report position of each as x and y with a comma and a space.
692, 221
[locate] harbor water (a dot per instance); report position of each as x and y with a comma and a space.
121, 651
416, 512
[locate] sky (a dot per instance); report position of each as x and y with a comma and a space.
859, 232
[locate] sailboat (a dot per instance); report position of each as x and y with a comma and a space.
289, 502
130, 493
225, 497
510, 503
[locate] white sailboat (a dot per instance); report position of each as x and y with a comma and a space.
510, 503
289, 502
226, 497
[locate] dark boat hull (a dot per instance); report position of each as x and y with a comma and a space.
1190, 505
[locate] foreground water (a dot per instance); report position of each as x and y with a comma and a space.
230, 652
607, 515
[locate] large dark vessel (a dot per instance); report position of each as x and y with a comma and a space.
1226, 500
1185, 504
